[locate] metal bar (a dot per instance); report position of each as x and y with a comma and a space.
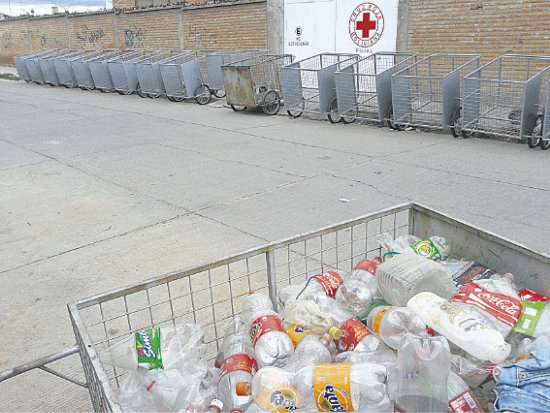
38, 363
272, 277
62, 376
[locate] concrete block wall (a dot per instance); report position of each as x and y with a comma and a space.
488, 28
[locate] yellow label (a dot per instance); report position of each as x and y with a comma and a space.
297, 333
378, 319
282, 399
331, 387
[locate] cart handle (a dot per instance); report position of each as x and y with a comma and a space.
40, 363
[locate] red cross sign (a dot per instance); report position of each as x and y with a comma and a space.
366, 25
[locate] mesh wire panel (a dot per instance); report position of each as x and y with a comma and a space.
212, 294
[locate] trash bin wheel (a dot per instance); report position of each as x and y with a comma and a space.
350, 116
203, 94
125, 92
238, 108
456, 125
271, 103
296, 111
175, 98
332, 113
140, 92
536, 133
220, 93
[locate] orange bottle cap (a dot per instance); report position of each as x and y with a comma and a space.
243, 388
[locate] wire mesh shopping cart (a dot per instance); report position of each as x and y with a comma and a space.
309, 85
427, 93
506, 96
211, 294
99, 69
81, 68
123, 71
48, 68
64, 68
255, 82
32, 64
363, 89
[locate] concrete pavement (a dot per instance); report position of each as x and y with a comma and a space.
99, 191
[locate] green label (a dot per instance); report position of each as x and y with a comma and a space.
375, 303
148, 349
529, 318
426, 248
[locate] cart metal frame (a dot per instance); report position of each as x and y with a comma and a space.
99, 70
309, 85
123, 71
506, 98
209, 295
545, 141
363, 89
255, 82
149, 75
81, 69
22, 71
64, 68
33, 65
47, 67
172, 72
427, 94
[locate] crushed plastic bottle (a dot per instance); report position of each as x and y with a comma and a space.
238, 366
311, 348
324, 387
408, 274
391, 323
464, 330
321, 285
433, 247
424, 365
461, 398
463, 271
359, 287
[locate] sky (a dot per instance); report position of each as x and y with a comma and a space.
18, 7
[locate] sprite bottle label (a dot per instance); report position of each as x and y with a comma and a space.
148, 349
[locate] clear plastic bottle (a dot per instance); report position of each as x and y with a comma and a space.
355, 335
461, 398
408, 274
311, 348
359, 288
495, 301
327, 387
462, 329
216, 406
255, 302
424, 365
272, 345
390, 323
322, 285
238, 366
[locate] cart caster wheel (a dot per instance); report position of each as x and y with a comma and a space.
202, 94
332, 114
536, 134
219, 93
153, 95
238, 108
350, 116
456, 125
125, 92
271, 103
141, 93
389, 122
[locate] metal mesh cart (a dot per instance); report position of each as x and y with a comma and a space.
427, 93
33, 64
81, 69
149, 75
309, 86
99, 69
123, 71
64, 67
20, 65
255, 82
209, 295
48, 68
363, 89
545, 141
506, 96
177, 90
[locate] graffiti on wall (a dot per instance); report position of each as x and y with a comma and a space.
133, 37
6, 40
90, 36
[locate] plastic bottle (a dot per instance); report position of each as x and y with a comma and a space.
272, 345
156, 348
423, 364
462, 329
359, 288
255, 302
238, 366
355, 335
433, 247
328, 387
311, 348
463, 271
216, 406
461, 398
390, 323
322, 285
407, 274
534, 320
494, 301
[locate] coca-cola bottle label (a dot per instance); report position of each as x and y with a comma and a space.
330, 281
353, 331
263, 325
236, 362
504, 308
366, 265
297, 333
426, 248
529, 318
465, 403
148, 349
332, 387
532, 296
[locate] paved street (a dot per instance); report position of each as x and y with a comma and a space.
98, 191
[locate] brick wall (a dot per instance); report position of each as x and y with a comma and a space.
488, 28
225, 26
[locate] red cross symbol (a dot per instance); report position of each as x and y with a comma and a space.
366, 25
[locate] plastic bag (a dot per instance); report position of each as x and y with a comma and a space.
307, 313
